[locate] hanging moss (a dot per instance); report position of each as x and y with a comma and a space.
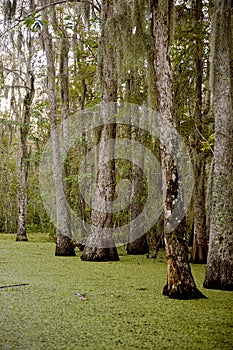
9, 9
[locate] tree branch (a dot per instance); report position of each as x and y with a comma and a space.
58, 2
15, 285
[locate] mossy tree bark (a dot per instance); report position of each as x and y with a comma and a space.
180, 282
64, 245
219, 271
100, 245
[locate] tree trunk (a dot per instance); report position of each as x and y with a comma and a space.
219, 271
140, 245
180, 282
199, 247
21, 234
100, 245
64, 245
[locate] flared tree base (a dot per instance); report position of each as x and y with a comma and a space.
219, 269
140, 246
64, 246
199, 254
21, 235
183, 293
219, 285
99, 254
20, 238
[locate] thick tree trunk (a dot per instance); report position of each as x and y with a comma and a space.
64, 245
219, 271
100, 245
180, 282
199, 248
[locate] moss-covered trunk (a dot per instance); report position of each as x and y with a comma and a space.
180, 282
100, 245
219, 271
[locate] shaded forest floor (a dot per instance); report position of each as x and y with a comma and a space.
125, 307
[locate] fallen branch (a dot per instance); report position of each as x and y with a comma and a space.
15, 285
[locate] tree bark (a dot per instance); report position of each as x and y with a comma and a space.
180, 282
64, 245
199, 247
219, 270
100, 245
140, 245
21, 234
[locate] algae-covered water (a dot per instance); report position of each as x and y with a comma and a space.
125, 307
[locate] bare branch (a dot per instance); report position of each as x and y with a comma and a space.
15, 285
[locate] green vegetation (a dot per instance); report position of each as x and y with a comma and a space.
125, 307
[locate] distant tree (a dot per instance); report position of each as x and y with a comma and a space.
140, 245
190, 62
199, 248
219, 271
22, 95
8, 177
180, 282
64, 244
21, 234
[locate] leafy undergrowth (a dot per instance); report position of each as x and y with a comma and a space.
125, 307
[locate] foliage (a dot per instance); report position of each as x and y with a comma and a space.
208, 144
8, 182
80, 23
33, 22
183, 51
